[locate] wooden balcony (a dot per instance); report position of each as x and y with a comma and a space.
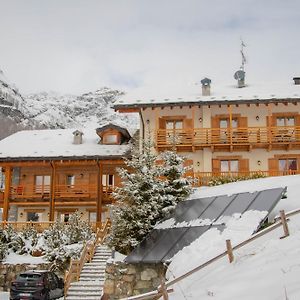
62, 193
204, 178
229, 139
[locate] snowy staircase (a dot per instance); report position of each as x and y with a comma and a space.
90, 285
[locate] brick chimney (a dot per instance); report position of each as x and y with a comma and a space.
205, 86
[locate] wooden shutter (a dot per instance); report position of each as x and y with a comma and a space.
215, 132
162, 123
188, 126
242, 122
244, 166
297, 120
273, 166
216, 166
189, 163
271, 121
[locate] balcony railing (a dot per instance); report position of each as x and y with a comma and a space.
87, 191
205, 178
207, 137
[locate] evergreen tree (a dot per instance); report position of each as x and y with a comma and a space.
149, 192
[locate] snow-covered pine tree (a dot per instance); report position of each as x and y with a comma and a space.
139, 200
149, 192
177, 186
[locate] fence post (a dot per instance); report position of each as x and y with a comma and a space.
284, 224
163, 289
229, 251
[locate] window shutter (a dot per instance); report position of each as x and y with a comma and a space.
273, 166
216, 166
271, 121
189, 163
188, 124
244, 166
162, 123
243, 122
297, 120
215, 131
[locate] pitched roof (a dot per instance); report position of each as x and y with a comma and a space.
57, 144
220, 94
123, 130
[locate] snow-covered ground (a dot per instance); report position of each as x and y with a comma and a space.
267, 269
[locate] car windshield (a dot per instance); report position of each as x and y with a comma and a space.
33, 277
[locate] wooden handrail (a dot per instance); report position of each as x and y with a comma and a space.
205, 137
75, 268
255, 236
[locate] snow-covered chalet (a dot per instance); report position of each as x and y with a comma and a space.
235, 130
48, 174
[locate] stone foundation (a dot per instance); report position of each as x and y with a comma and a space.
124, 280
9, 272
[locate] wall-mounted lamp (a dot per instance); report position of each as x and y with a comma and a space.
259, 162
257, 118
21, 214
24, 175
81, 175
48, 215
148, 121
198, 163
200, 120
81, 213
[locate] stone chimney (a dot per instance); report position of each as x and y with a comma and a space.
77, 140
205, 86
296, 80
240, 77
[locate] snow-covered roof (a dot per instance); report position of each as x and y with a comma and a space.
192, 93
57, 144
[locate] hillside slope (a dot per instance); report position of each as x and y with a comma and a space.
267, 269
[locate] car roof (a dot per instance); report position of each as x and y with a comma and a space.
35, 271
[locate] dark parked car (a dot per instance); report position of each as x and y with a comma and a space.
37, 285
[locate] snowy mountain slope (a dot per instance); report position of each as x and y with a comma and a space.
54, 110
267, 269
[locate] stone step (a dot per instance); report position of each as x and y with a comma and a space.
94, 293
83, 298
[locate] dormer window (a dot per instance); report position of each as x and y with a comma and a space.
110, 139
113, 135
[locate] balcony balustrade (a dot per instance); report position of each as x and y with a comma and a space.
207, 137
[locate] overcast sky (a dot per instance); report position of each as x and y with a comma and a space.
75, 46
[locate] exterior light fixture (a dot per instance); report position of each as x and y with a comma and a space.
259, 162
257, 118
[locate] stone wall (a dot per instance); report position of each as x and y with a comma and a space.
9, 272
124, 280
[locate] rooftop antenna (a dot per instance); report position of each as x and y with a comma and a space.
240, 74
243, 55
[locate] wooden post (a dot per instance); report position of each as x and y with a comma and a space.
284, 224
163, 289
99, 195
52, 193
6, 193
229, 251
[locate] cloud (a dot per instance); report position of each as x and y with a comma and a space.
76, 45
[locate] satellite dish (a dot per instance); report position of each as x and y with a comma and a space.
239, 75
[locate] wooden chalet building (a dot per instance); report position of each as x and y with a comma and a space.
233, 131
48, 174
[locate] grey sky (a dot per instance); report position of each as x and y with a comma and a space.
75, 46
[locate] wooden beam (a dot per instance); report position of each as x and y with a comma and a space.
99, 195
128, 110
7, 173
52, 193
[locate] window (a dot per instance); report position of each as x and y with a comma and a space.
92, 216
174, 124
285, 121
34, 216
229, 165
70, 180
42, 183
110, 139
225, 123
173, 136
287, 164
64, 217
108, 180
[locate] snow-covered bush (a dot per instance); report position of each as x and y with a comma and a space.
227, 179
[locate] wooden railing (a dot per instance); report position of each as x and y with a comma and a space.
204, 178
75, 268
162, 290
39, 226
60, 191
206, 137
